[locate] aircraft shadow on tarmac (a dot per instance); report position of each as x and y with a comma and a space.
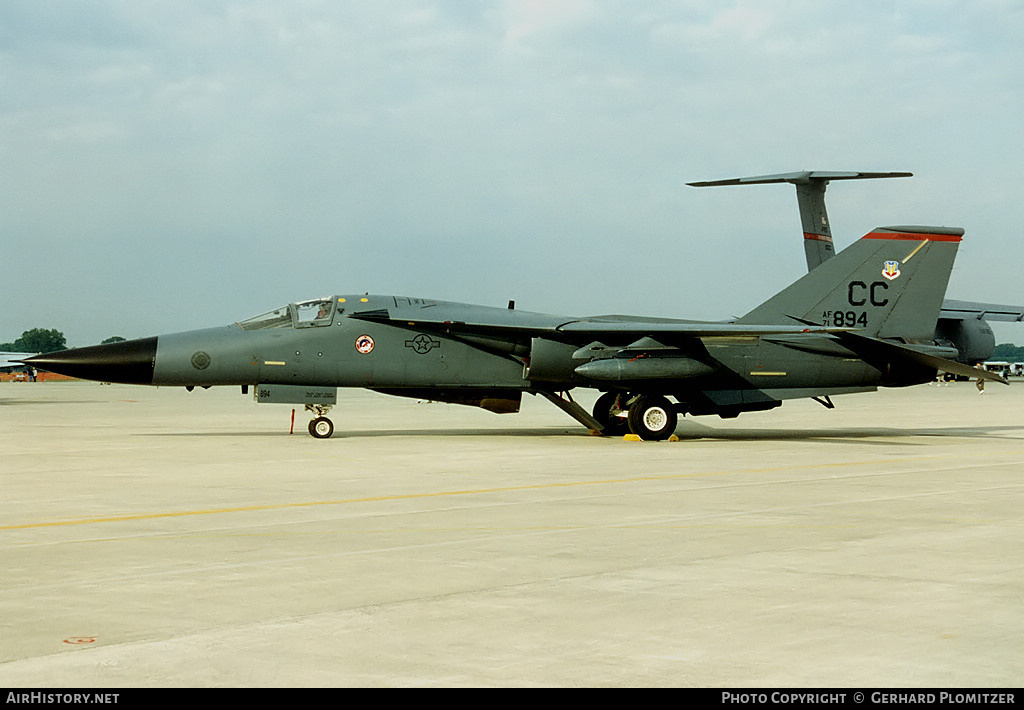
855, 434
688, 431
4, 402
376, 433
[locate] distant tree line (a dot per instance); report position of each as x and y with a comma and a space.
1008, 352
41, 340
37, 340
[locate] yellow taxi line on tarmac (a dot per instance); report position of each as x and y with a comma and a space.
442, 494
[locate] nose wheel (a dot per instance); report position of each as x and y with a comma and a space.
321, 427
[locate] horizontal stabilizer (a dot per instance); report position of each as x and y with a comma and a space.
979, 311
896, 353
797, 178
878, 353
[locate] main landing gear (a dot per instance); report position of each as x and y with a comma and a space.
611, 410
649, 416
321, 427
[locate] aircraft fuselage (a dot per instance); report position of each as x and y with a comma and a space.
353, 351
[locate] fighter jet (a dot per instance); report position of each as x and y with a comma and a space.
863, 319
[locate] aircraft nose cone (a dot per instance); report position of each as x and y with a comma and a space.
129, 362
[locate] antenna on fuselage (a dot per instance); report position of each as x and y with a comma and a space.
810, 197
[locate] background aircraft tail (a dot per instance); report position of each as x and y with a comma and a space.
888, 284
810, 197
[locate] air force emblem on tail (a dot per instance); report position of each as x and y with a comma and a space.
891, 270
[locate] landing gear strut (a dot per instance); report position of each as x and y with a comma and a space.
321, 427
610, 410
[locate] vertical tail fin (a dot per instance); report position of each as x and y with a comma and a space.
888, 284
810, 198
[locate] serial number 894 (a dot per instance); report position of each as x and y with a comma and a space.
845, 319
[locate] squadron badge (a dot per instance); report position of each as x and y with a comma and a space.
891, 270
364, 344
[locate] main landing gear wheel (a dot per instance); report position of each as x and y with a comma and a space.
606, 412
652, 418
321, 427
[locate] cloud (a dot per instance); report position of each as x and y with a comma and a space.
528, 19
242, 154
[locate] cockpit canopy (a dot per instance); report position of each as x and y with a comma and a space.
304, 314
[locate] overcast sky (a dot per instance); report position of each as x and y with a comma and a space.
173, 165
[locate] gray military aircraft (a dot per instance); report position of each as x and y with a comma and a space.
863, 319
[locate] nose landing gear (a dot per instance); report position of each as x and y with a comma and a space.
320, 427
